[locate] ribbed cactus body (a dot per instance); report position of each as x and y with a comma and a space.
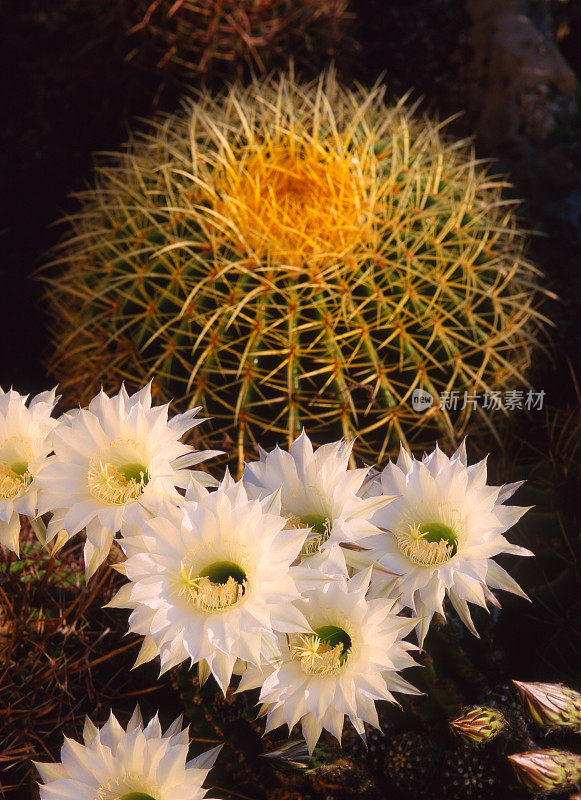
408, 763
473, 774
295, 255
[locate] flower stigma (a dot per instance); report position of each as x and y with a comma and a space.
14, 478
427, 543
15, 475
218, 586
323, 652
116, 484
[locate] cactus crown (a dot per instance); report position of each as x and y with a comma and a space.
295, 255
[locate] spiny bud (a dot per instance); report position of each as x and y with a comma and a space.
478, 724
546, 770
551, 704
290, 755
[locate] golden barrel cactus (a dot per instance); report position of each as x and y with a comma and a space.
292, 255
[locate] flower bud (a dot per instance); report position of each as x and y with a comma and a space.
551, 704
290, 755
478, 724
546, 770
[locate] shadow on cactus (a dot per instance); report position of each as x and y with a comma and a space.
294, 255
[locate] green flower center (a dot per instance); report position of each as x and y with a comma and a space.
218, 586
122, 788
318, 522
19, 467
333, 636
137, 796
116, 484
427, 543
14, 478
134, 472
323, 652
222, 571
435, 532
320, 531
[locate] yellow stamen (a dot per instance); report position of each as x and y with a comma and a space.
316, 657
207, 595
314, 541
320, 526
13, 482
110, 485
126, 787
413, 543
430, 533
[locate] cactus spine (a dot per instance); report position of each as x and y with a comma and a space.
210, 38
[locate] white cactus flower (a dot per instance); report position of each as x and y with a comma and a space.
25, 443
440, 535
350, 660
136, 763
113, 464
211, 582
320, 492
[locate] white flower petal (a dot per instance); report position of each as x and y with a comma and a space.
498, 578
96, 450
438, 491
155, 761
